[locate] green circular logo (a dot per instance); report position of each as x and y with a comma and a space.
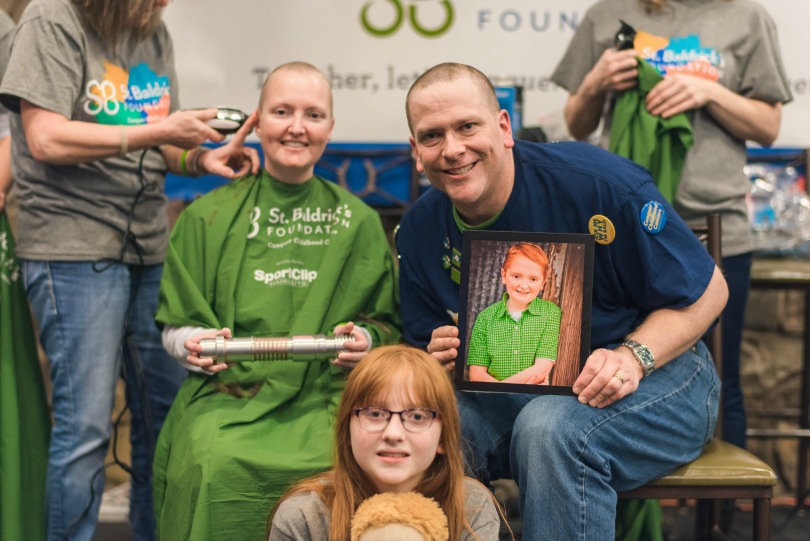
413, 19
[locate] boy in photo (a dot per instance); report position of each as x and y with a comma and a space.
515, 339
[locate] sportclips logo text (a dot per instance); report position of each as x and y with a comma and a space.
289, 276
428, 18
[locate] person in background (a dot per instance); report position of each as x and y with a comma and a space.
95, 126
645, 401
6, 33
397, 431
278, 254
721, 65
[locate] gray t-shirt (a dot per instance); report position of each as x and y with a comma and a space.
6, 33
304, 517
734, 43
81, 212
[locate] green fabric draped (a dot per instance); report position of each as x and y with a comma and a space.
639, 520
659, 144
24, 415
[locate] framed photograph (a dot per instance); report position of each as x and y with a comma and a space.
525, 311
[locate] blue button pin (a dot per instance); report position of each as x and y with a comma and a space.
653, 217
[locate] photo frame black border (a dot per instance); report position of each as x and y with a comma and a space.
471, 237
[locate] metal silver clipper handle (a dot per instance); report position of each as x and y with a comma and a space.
314, 347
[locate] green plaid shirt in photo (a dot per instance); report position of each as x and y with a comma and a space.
507, 346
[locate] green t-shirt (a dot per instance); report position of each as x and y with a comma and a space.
507, 346
264, 259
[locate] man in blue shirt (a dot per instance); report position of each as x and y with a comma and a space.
646, 400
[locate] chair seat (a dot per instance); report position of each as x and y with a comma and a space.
721, 464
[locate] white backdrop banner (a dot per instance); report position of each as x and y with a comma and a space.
372, 50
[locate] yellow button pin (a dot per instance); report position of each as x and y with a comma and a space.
602, 229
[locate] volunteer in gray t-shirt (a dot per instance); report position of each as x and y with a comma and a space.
95, 126
722, 66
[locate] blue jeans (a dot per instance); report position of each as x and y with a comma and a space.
570, 459
95, 327
737, 270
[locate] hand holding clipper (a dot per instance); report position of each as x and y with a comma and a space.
314, 347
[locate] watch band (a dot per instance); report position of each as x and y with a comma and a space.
643, 355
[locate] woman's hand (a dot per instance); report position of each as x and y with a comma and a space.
614, 71
233, 159
678, 93
208, 365
189, 128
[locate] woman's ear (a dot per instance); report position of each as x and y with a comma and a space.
257, 126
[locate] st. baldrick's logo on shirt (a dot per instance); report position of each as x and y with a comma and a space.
139, 96
302, 225
680, 54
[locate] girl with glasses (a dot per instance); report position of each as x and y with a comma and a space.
397, 430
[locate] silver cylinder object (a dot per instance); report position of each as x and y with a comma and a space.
315, 347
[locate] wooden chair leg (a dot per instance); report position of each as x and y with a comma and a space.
762, 519
704, 520
717, 514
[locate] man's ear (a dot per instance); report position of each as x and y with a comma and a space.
419, 167
505, 124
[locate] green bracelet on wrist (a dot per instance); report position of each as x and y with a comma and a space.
183, 169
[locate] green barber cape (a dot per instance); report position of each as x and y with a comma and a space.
639, 520
659, 144
263, 258
24, 417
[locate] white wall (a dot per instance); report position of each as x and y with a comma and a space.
225, 47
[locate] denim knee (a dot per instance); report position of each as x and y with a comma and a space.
547, 428
486, 425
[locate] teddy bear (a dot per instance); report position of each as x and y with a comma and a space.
399, 516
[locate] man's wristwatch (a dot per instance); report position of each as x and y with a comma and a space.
642, 354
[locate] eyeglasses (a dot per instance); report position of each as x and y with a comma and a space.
413, 419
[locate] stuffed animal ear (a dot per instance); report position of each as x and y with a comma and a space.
403, 516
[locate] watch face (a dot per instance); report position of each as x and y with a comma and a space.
643, 355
